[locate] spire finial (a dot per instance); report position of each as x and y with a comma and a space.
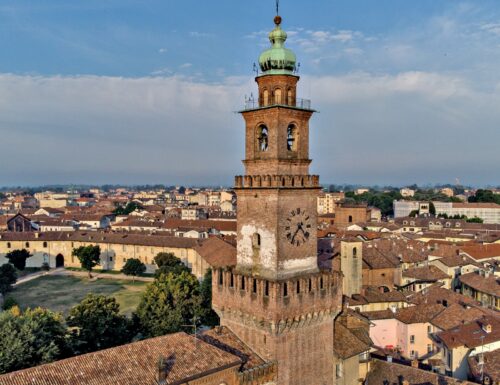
277, 7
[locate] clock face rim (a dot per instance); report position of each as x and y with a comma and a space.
298, 227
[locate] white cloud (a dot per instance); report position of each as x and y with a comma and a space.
409, 127
200, 34
186, 65
162, 50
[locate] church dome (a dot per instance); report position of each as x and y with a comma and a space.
277, 60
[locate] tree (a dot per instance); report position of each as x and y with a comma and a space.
129, 207
18, 258
8, 277
475, 220
169, 263
486, 196
31, 338
134, 267
97, 324
89, 256
432, 209
210, 317
413, 214
171, 301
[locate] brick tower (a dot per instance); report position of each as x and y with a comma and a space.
276, 299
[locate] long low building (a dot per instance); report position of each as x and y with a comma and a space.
55, 248
488, 212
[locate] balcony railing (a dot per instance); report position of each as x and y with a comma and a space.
252, 104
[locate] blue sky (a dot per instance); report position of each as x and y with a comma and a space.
108, 91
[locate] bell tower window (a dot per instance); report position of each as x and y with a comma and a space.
290, 98
277, 96
263, 138
256, 241
265, 98
291, 138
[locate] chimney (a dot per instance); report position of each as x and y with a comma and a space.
389, 358
37, 235
162, 373
486, 326
414, 364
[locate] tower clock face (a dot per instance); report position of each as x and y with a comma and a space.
298, 227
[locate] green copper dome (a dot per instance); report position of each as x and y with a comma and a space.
277, 60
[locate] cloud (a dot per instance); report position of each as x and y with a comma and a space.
200, 34
186, 65
410, 127
162, 50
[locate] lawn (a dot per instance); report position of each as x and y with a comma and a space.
60, 293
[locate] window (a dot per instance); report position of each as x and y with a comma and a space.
412, 339
266, 289
27, 244
338, 370
350, 218
254, 286
290, 98
8, 245
256, 241
412, 354
429, 329
265, 97
285, 290
242, 283
355, 252
298, 287
291, 142
231, 282
277, 96
263, 138
310, 285
429, 348
110, 259
221, 278
44, 244
321, 283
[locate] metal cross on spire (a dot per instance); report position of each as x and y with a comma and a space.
277, 7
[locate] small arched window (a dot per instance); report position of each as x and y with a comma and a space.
8, 245
350, 218
291, 138
27, 244
263, 138
265, 97
290, 98
44, 244
277, 96
256, 241
355, 252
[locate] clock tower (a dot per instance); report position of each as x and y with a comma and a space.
276, 299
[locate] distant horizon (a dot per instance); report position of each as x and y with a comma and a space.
173, 185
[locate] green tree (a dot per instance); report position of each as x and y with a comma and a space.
413, 214
134, 267
169, 263
8, 277
432, 209
475, 220
485, 196
18, 258
169, 302
210, 317
31, 338
97, 324
127, 209
89, 257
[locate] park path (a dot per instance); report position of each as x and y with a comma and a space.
38, 274
97, 275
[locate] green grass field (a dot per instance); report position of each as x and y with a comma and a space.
60, 293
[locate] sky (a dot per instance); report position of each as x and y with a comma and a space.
146, 91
